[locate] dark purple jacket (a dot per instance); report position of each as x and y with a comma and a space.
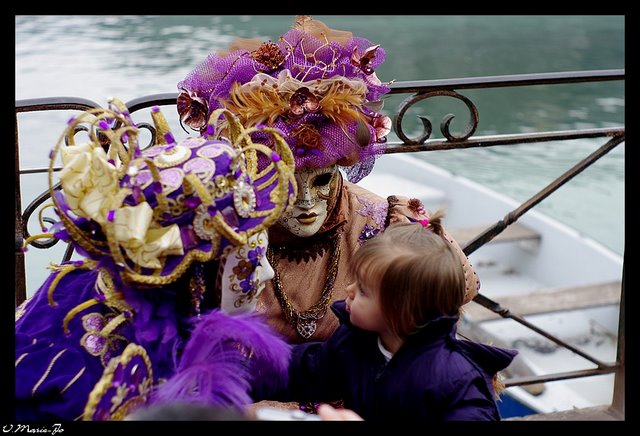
433, 377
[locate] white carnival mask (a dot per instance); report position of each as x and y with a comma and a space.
246, 270
309, 211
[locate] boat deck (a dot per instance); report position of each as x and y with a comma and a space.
551, 300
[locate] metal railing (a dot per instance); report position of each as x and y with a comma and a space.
420, 90
437, 88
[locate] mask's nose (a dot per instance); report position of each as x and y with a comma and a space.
304, 198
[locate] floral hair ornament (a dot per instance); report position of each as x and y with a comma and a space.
148, 214
423, 222
317, 85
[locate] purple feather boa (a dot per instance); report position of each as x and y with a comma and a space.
227, 356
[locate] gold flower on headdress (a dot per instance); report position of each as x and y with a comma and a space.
269, 55
89, 180
307, 136
192, 109
363, 62
303, 101
90, 184
144, 243
382, 126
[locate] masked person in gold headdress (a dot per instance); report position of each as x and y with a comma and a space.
138, 320
319, 87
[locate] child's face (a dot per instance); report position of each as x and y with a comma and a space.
364, 307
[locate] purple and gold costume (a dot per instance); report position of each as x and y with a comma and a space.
102, 335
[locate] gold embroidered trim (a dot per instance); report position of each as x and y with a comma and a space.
32, 238
200, 189
65, 270
162, 126
161, 197
261, 213
19, 359
113, 298
73, 380
46, 372
268, 182
73, 312
113, 324
126, 408
262, 173
93, 332
106, 382
180, 269
22, 308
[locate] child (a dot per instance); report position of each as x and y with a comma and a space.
395, 354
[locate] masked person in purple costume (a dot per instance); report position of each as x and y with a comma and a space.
137, 320
319, 87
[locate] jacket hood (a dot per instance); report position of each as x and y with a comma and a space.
339, 308
490, 358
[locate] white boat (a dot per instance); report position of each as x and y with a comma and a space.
558, 279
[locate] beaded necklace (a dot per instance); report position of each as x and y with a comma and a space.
305, 322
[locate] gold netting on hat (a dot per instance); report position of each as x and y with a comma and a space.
305, 23
320, 30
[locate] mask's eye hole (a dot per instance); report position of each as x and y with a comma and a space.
322, 180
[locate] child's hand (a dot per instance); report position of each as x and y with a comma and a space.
328, 413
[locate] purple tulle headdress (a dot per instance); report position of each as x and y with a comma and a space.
317, 85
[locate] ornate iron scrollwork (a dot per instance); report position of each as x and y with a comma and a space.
152, 130
29, 211
444, 124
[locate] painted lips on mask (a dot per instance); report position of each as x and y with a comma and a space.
307, 218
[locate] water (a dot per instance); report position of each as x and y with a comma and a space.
97, 57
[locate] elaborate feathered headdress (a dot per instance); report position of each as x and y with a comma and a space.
316, 84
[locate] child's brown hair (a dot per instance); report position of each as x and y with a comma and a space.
417, 273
